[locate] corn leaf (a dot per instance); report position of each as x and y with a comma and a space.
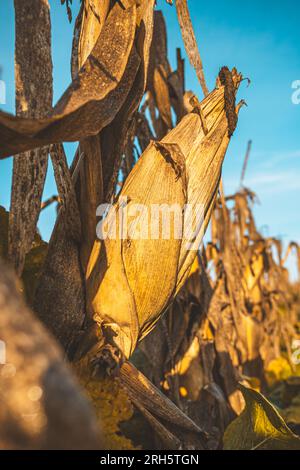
84, 109
259, 426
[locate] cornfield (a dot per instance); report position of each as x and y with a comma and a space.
120, 334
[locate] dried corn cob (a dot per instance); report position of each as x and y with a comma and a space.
126, 293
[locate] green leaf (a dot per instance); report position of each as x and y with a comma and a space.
259, 426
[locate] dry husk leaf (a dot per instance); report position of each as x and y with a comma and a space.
83, 110
125, 291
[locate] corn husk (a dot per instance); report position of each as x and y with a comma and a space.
259, 427
125, 291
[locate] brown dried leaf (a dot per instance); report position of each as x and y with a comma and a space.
115, 137
89, 25
41, 405
190, 42
84, 109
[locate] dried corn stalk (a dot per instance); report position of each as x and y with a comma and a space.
228, 323
247, 292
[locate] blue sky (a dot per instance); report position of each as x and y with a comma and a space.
260, 38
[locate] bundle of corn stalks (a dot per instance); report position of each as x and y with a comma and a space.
236, 316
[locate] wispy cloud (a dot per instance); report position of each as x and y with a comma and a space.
268, 182
272, 159
274, 182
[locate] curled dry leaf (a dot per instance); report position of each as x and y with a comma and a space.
83, 110
115, 137
95, 14
190, 42
88, 26
103, 152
